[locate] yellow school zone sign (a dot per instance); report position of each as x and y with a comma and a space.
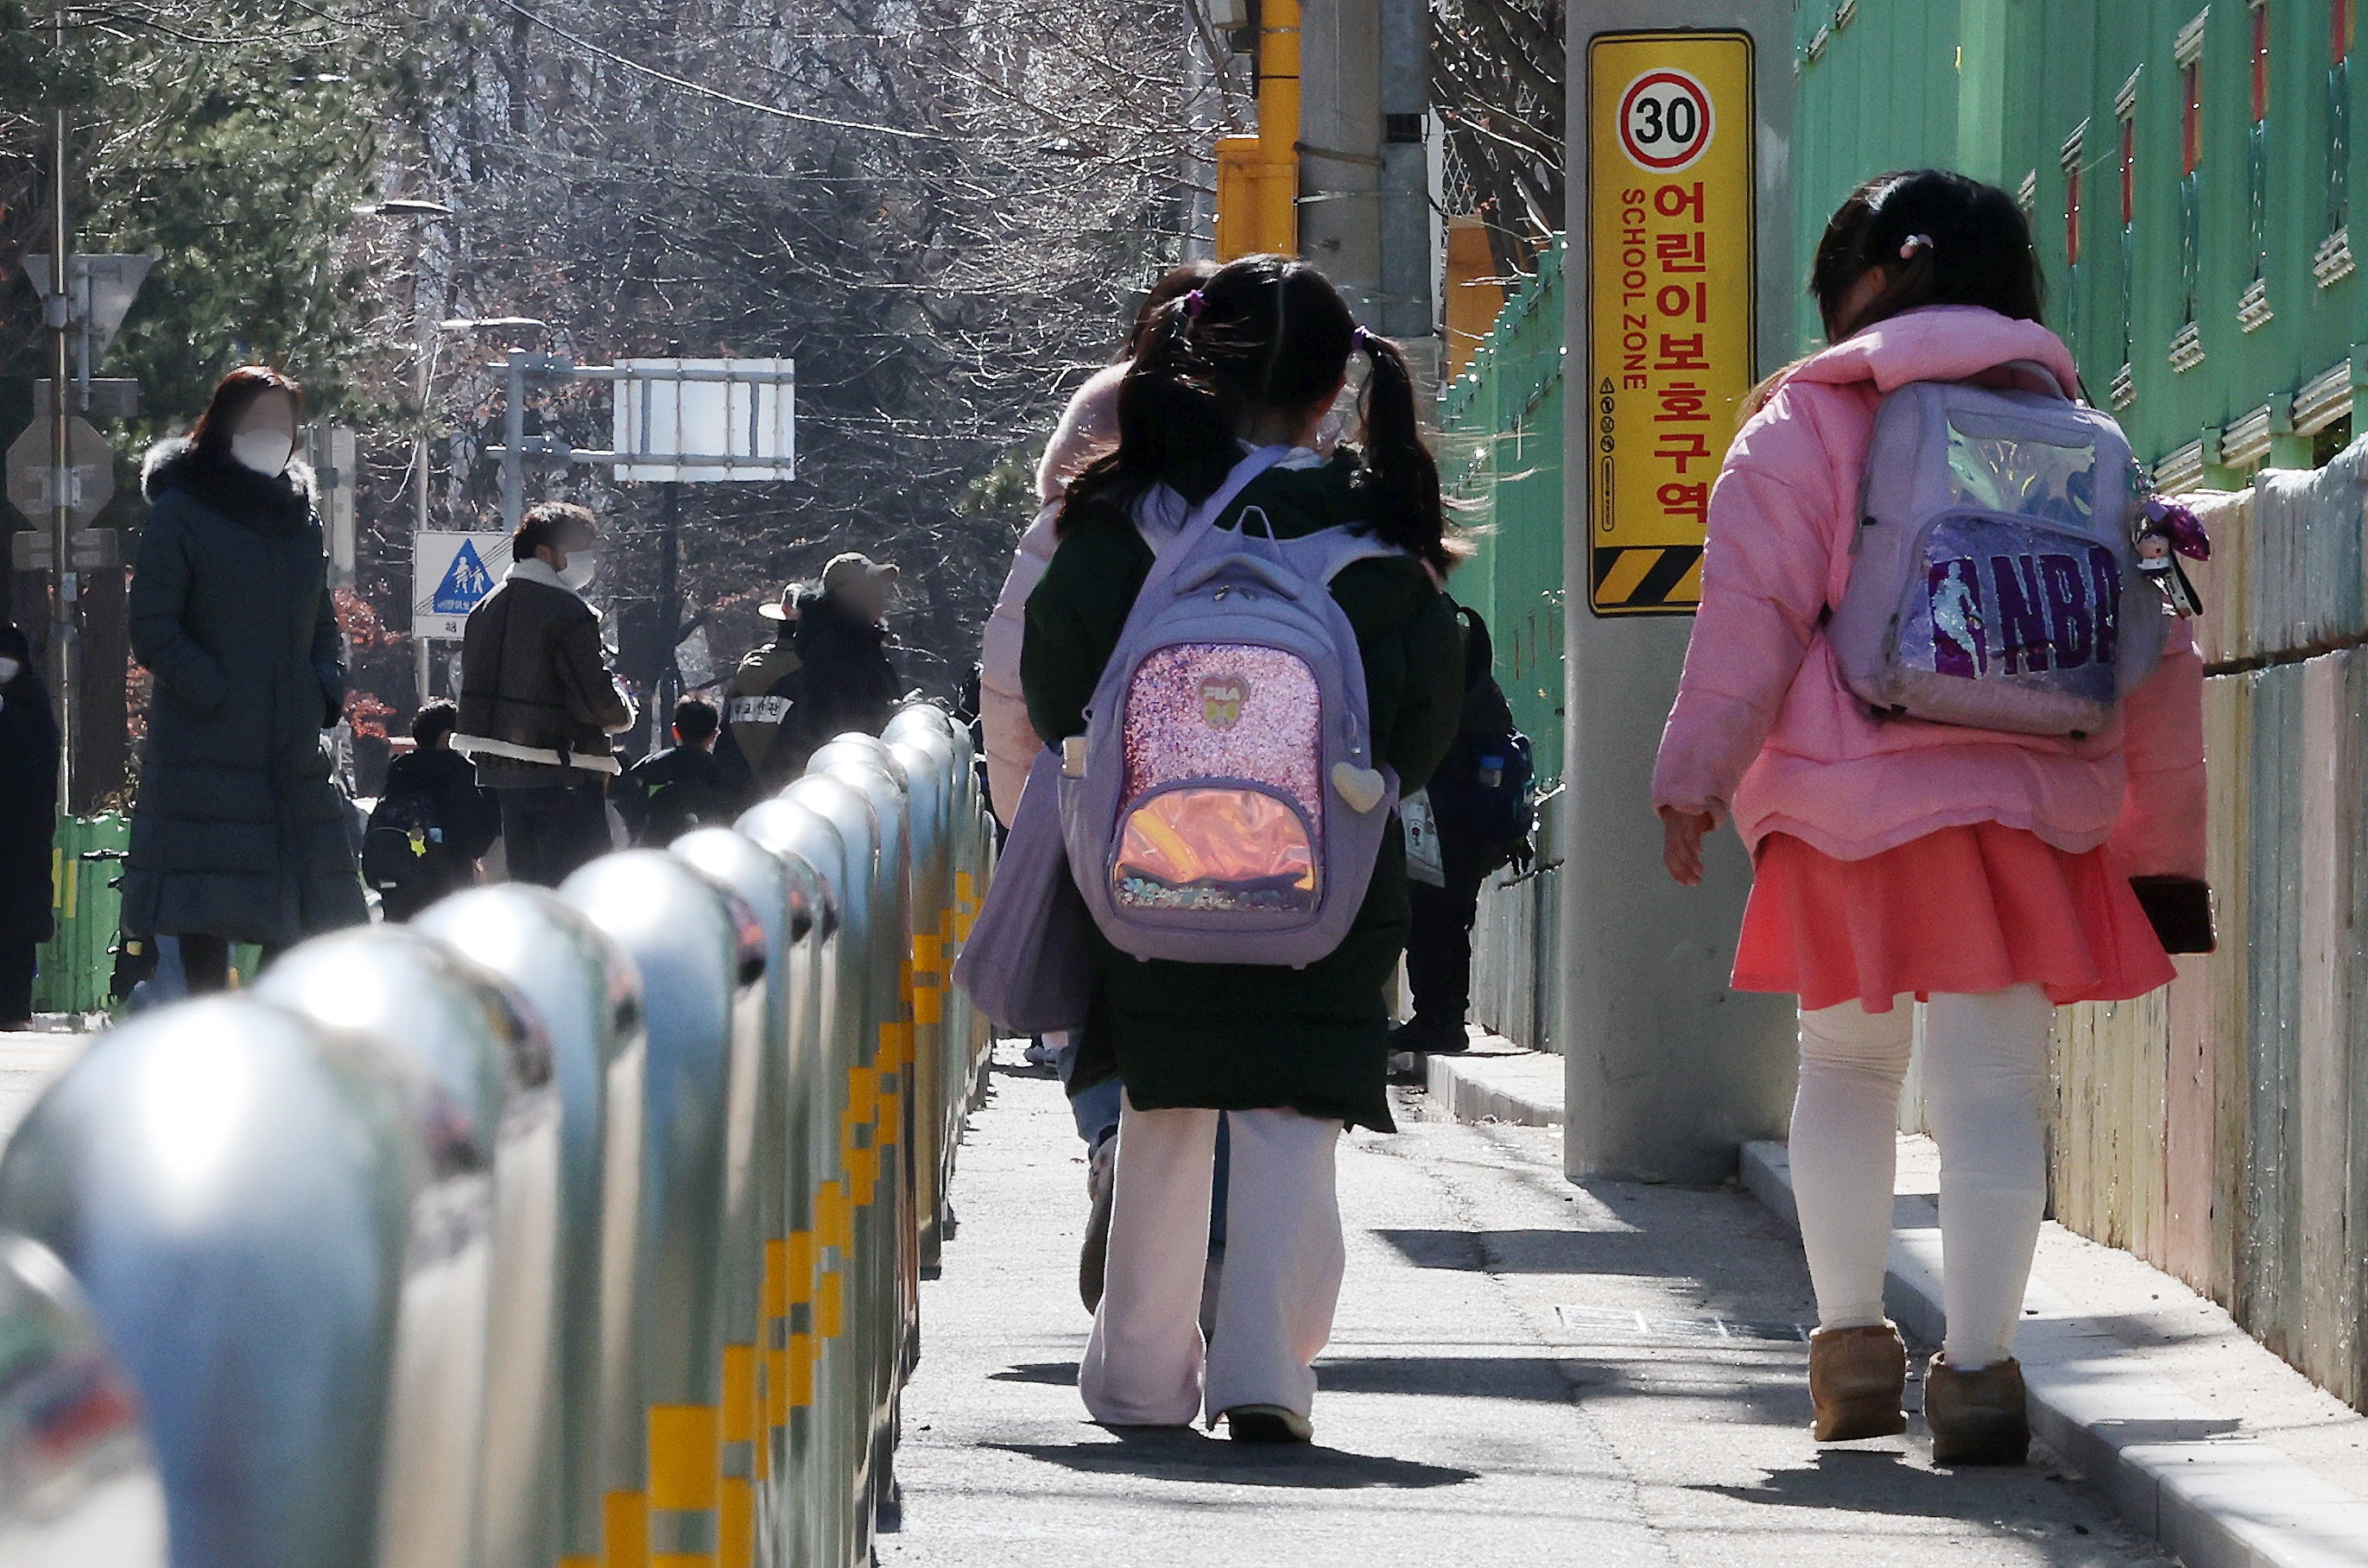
1669, 303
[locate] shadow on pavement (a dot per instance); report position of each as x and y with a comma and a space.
1176, 1454
1882, 1481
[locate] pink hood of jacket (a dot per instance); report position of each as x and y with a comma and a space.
1763, 729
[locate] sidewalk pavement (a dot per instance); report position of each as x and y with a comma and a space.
1524, 1370
2209, 1443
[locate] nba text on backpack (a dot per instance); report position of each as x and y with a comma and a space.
1997, 579
1225, 804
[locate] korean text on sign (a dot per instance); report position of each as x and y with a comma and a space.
1669, 304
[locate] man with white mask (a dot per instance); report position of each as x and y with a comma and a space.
537, 703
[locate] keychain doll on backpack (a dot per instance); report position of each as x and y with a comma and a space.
1241, 654
1942, 682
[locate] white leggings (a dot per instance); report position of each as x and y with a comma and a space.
1984, 1070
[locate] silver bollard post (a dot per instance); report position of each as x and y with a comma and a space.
79, 1484
846, 1227
808, 1510
589, 997
281, 1231
918, 736
695, 946
753, 1199
478, 1039
894, 1275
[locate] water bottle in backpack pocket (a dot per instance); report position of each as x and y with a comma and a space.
1226, 805
1993, 579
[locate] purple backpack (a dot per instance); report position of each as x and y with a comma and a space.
1225, 804
1993, 579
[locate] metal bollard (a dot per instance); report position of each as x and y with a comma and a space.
754, 1235
78, 1486
892, 1275
808, 1511
839, 833
424, 1003
697, 945
589, 998
281, 1230
918, 738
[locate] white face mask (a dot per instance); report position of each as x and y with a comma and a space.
9, 668
265, 451
581, 565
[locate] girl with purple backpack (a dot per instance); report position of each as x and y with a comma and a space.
1994, 875
1251, 361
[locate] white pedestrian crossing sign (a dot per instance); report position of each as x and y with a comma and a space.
451, 572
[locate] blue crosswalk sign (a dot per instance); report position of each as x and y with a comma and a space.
466, 581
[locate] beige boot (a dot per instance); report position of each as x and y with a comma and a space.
1977, 1418
1856, 1376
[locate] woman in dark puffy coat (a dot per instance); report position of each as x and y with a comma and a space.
28, 821
239, 834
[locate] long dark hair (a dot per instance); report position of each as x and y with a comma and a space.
1178, 282
233, 396
1266, 334
1939, 238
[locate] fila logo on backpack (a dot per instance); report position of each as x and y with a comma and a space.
1225, 804
1994, 577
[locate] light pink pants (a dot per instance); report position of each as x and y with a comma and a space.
1145, 1365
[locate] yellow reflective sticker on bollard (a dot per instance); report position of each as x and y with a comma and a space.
684, 1455
833, 1225
774, 1293
929, 952
830, 1311
625, 1529
735, 1539
739, 1394
802, 1353
928, 1004
863, 1176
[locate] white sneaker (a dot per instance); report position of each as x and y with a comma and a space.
1268, 1424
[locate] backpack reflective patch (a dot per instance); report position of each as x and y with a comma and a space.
1993, 579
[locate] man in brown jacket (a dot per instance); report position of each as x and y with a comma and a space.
538, 703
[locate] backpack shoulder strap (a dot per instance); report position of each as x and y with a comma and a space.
1325, 553
1203, 517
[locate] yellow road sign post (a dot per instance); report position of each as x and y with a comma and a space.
1668, 302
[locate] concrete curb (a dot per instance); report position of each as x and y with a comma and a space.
2214, 1497
1523, 1088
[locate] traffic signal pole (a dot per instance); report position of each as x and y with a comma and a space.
62, 474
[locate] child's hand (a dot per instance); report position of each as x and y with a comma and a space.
1681, 840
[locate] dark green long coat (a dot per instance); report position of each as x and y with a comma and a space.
238, 832
1247, 1037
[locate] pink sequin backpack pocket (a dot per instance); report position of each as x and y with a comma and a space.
1225, 804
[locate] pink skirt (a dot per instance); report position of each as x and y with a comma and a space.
1964, 910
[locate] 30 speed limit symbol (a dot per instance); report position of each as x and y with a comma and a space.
1665, 120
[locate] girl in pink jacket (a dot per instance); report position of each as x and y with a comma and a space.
1985, 873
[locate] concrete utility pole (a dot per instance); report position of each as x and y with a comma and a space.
62, 474
1669, 1071
1364, 202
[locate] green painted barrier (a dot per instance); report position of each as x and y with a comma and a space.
86, 870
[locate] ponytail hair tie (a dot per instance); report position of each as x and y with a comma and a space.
1194, 303
1914, 242
1362, 341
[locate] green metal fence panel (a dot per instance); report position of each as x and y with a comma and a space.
75, 964
1998, 89
1501, 455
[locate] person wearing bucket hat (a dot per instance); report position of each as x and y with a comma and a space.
849, 681
768, 690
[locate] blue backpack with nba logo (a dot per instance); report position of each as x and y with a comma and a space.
1226, 803
1995, 580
